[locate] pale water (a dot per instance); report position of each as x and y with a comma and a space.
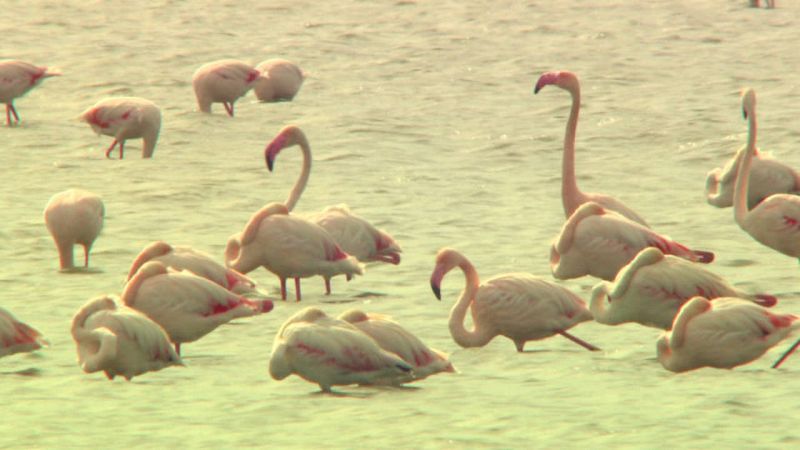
421, 117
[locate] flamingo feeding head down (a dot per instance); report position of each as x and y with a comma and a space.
518, 306
74, 217
332, 352
17, 337
571, 195
725, 333
126, 118
223, 81
16, 79
279, 80
120, 341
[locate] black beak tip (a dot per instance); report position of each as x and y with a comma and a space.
436, 291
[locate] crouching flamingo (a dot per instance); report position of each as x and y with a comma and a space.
16, 79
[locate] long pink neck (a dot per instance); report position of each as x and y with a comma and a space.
570, 195
305, 172
743, 174
463, 337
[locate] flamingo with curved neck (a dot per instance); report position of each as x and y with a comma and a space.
571, 196
518, 306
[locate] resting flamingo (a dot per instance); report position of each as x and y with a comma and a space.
598, 242
518, 306
395, 339
126, 118
331, 352
187, 306
120, 341
571, 195
74, 217
725, 333
18, 337
16, 79
651, 289
223, 81
354, 234
775, 222
199, 263
289, 247
279, 80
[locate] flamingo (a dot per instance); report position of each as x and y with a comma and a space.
653, 286
395, 339
775, 222
725, 333
199, 263
186, 305
289, 247
120, 341
126, 118
571, 195
74, 217
332, 352
598, 242
757, 4
354, 234
223, 81
16, 79
518, 306
280, 80
17, 337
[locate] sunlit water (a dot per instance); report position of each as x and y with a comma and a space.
421, 117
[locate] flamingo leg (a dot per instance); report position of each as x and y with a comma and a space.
283, 288
111, 147
178, 348
8, 114
579, 341
14, 111
786, 354
297, 288
85, 256
228, 107
121, 147
327, 286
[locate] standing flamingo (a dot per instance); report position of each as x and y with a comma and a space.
199, 263
775, 222
331, 352
289, 247
17, 337
186, 305
397, 340
74, 217
279, 80
651, 289
598, 242
518, 306
223, 81
16, 79
355, 235
126, 118
120, 341
571, 196
725, 333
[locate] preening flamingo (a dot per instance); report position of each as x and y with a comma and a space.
223, 81
16, 79
651, 289
723, 333
571, 195
74, 217
775, 222
187, 306
598, 242
279, 80
17, 337
120, 341
126, 118
518, 306
199, 263
354, 234
332, 352
289, 247
395, 339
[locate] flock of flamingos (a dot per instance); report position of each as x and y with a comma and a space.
177, 295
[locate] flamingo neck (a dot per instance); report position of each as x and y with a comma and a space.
570, 195
302, 180
598, 304
463, 337
743, 174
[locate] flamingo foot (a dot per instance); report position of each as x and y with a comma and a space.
579, 341
786, 354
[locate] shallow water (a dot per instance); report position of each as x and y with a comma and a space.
421, 117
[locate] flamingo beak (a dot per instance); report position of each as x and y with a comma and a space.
436, 290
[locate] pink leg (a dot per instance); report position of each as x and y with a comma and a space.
8, 114
85, 256
327, 286
121, 147
14, 111
178, 348
111, 147
229, 108
283, 288
579, 341
786, 354
297, 288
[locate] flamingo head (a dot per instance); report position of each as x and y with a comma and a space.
446, 260
663, 349
387, 249
287, 137
748, 102
232, 249
563, 79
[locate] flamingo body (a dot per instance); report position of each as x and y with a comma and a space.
331, 352
725, 333
279, 80
16, 336
126, 118
120, 341
74, 217
17, 78
223, 81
